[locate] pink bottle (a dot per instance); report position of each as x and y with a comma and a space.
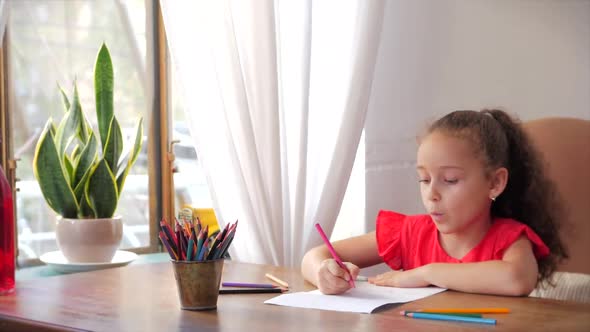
7, 228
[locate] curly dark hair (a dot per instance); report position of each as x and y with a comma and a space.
530, 196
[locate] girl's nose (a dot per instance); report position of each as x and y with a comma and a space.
433, 194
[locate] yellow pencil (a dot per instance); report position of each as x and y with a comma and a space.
468, 310
277, 280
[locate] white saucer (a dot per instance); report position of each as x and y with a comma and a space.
58, 262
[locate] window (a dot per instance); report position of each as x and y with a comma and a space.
351, 220
189, 179
56, 42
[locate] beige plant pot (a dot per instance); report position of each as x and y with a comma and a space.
89, 240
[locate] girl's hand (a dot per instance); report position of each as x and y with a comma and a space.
332, 279
410, 278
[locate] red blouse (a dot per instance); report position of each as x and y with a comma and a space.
407, 242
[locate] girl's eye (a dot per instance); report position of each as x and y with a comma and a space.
451, 181
424, 181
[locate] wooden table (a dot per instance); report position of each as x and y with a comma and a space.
144, 298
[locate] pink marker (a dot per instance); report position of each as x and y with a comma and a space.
334, 254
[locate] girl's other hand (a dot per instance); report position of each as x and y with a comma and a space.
410, 278
332, 279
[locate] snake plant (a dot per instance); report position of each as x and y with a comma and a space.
80, 176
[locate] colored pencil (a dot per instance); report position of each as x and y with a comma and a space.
222, 238
466, 310
193, 232
446, 313
277, 280
182, 232
179, 243
171, 252
334, 254
217, 240
190, 240
169, 235
200, 240
187, 230
189, 251
444, 317
225, 230
204, 249
247, 285
199, 225
250, 290
169, 241
224, 245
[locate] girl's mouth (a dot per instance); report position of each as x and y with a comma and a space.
436, 216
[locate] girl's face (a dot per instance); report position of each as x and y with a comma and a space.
454, 188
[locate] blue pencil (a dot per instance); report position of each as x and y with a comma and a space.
204, 250
189, 250
451, 318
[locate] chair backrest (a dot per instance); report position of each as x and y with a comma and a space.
565, 146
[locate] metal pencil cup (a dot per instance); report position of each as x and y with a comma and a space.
198, 283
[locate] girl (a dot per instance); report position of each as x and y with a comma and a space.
492, 222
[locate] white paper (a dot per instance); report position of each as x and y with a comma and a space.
364, 298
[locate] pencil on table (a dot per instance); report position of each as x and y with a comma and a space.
444, 317
277, 280
247, 285
466, 310
405, 312
250, 290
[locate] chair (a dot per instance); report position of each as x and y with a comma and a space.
565, 146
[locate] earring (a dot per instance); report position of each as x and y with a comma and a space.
493, 198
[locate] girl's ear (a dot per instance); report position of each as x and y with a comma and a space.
498, 182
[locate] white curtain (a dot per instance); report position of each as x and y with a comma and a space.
276, 94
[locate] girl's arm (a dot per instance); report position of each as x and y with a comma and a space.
515, 275
320, 269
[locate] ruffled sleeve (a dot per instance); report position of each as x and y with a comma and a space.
512, 231
389, 240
